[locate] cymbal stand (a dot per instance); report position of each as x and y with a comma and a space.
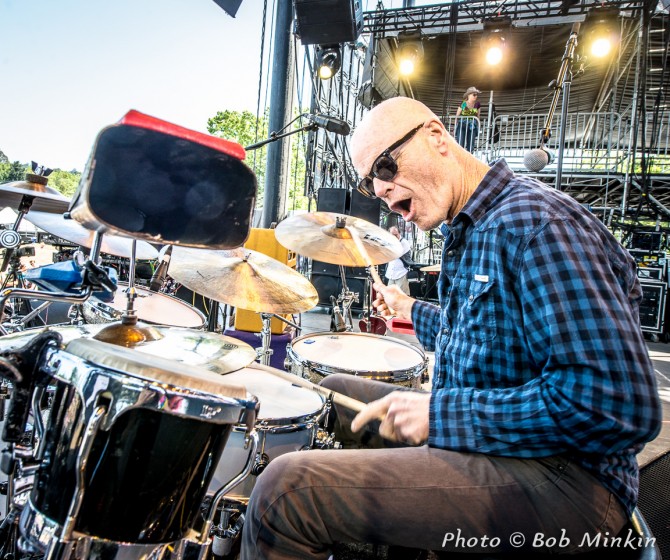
129, 316
346, 299
264, 352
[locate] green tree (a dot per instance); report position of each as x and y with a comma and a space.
13, 172
245, 129
65, 182
3, 157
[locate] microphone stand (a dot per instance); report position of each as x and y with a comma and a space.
311, 127
562, 83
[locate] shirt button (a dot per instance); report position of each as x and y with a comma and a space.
450, 254
471, 298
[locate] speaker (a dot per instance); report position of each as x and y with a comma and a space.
368, 209
332, 200
326, 285
328, 21
654, 500
652, 306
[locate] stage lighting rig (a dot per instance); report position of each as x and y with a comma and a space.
494, 39
328, 60
410, 52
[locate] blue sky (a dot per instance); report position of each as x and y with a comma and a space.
71, 67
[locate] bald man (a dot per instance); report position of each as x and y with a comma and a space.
543, 392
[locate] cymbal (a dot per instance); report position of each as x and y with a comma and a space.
243, 278
46, 199
324, 237
431, 268
215, 352
73, 231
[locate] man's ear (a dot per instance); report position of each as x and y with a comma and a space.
438, 136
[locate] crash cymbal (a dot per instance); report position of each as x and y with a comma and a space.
328, 237
431, 268
46, 199
73, 231
243, 278
215, 352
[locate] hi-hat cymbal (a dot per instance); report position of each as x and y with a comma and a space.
243, 278
327, 237
215, 352
73, 231
46, 199
431, 268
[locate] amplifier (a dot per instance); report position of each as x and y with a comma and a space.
652, 306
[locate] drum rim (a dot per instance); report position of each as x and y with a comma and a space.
403, 374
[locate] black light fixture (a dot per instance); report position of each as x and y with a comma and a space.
410, 52
602, 31
328, 60
494, 40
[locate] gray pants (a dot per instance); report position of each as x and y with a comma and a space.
420, 497
402, 283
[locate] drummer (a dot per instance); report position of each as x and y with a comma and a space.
543, 390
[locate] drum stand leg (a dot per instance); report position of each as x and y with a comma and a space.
264, 352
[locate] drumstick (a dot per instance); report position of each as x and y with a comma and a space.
364, 253
337, 398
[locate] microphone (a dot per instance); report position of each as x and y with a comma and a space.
160, 273
537, 159
331, 124
338, 320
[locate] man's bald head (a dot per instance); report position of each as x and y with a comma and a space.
383, 125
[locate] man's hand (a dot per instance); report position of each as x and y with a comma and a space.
391, 300
404, 416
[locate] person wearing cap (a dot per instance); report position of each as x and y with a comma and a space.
467, 119
542, 392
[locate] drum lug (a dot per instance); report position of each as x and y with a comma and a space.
260, 465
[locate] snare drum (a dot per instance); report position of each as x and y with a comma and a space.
129, 450
287, 421
367, 355
151, 307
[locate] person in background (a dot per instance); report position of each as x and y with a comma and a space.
467, 129
396, 271
543, 392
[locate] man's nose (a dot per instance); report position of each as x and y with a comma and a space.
382, 188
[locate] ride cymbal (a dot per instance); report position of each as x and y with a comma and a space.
45, 198
329, 237
215, 352
73, 231
243, 278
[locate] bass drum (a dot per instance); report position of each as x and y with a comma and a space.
154, 308
381, 358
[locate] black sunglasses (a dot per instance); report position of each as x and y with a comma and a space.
385, 167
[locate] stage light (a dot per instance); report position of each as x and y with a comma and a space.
328, 60
601, 37
494, 40
410, 52
494, 49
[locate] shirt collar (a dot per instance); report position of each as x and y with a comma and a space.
486, 192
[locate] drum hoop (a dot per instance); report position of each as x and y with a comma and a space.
400, 374
183, 303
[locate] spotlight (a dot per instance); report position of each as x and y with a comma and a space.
328, 60
494, 49
602, 36
494, 39
410, 52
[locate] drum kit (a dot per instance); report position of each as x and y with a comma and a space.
134, 432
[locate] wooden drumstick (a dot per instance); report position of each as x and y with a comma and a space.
337, 398
364, 253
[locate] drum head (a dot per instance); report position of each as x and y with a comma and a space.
358, 353
280, 401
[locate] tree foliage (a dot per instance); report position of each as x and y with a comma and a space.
15, 171
245, 129
3, 157
65, 182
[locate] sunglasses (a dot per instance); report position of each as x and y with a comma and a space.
385, 167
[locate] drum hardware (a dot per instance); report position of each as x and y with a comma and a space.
431, 268
264, 352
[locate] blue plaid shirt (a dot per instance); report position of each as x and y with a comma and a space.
538, 349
